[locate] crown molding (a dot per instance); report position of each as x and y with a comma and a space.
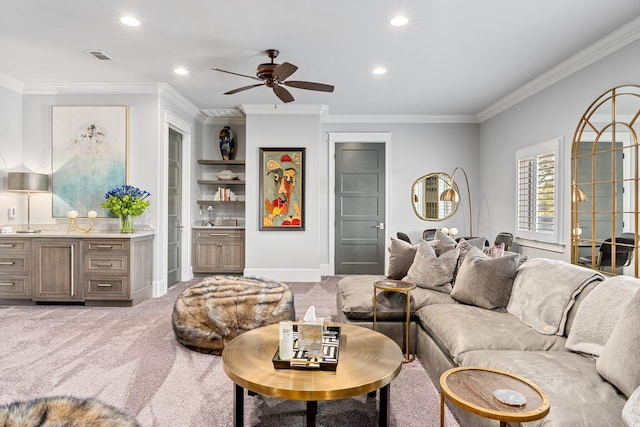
400, 118
11, 83
616, 40
181, 101
300, 109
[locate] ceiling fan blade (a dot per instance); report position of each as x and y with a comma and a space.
240, 89
284, 95
283, 71
236, 74
309, 85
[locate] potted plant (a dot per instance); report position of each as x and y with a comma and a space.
126, 202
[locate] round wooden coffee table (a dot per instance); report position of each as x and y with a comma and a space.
472, 389
368, 361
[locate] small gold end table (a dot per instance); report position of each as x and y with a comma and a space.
472, 389
401, 287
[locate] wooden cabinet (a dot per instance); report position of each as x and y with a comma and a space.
96, 271
57, 273
15, 268
218, 250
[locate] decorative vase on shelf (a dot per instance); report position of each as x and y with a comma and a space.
126, 224
227, 143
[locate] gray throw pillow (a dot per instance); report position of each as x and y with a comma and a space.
631, 410
464, 246
485, 282
430, 271
598, 314
401, 256
618, 362
445, 243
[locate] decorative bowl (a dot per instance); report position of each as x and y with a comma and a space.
226, 175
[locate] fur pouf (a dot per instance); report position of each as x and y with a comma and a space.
211, 313
63, 412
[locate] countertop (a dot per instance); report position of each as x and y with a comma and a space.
76, 235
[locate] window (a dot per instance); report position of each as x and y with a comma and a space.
537, 199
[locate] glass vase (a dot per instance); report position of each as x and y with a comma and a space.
126, 224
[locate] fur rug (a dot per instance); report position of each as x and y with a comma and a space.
63, 412
214, 311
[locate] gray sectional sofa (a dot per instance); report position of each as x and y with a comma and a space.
570, 330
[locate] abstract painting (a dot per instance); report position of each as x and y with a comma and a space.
89, 156
282, 188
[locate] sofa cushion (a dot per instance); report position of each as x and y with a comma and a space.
401, 256
460, 328
464, 246
578, 395
430, 271
356, 294
545, 289
485, 282
445, 243
619, 361
598, 313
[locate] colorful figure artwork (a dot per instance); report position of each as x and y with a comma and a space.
282, 189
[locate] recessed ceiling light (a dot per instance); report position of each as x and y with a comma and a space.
399, 21
130, 21
379, 71
181, 71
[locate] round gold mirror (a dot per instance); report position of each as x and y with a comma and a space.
425, 197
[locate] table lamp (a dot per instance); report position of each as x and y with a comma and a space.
28, 182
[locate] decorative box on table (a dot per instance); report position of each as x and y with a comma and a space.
328, 361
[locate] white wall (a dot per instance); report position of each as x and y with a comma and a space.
550, 113
10, 153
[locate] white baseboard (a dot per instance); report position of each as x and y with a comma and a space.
159, 288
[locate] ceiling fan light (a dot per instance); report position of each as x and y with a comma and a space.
399, 21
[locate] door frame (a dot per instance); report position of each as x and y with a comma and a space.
177, 124
362, 137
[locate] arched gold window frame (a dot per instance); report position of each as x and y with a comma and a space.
607, 130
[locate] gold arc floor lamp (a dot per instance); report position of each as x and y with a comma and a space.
28, 182
451, 195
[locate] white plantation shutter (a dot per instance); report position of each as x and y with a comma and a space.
537, 200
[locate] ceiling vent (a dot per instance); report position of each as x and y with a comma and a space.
100, 55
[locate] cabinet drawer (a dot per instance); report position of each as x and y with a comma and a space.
118, 264
14, 264
14, 246
102, 246
14, 287
104, 288
219, 234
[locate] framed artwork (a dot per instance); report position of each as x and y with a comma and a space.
282, 189
89, 156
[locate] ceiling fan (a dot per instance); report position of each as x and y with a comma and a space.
274, 76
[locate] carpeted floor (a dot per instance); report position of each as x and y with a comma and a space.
129, 358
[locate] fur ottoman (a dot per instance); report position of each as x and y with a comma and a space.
211, 313
62, 412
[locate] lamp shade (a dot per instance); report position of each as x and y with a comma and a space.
449, 195
28, 182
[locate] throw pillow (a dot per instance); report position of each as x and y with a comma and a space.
485, 282
445, 243
464, 246
618, 362
430, 271
631, 410
495, 251
598, 314
401, 256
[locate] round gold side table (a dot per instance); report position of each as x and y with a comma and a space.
401, 287
472, 389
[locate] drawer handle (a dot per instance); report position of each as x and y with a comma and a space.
7, 263
104, 264
104, 285
7, 245
7, 284
104, 246
219, 234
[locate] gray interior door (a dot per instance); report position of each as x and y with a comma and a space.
174, 197
360, 201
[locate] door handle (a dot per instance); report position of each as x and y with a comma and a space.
380, 226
